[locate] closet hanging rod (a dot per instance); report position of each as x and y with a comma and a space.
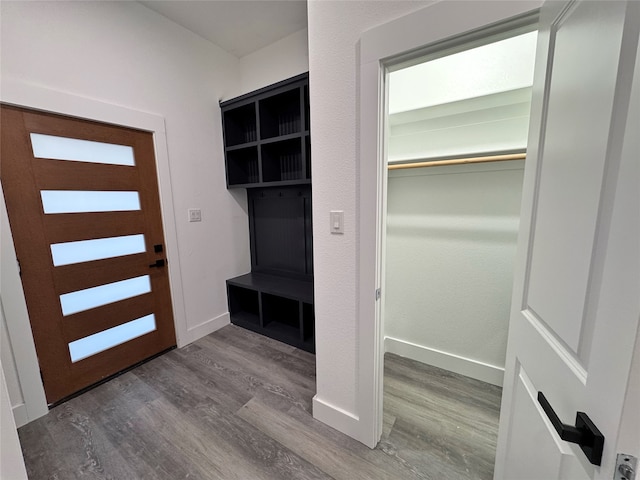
459, 161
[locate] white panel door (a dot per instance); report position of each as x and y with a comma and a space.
576, 300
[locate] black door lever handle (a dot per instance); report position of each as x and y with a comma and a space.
159, 263
585, 433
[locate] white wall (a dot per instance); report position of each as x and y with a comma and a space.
451, 242
11, 461
335, 28
280, 60
11, 373
467, 103
485, 70
124, 54
18, 352
471, 127
629, 435
341, 53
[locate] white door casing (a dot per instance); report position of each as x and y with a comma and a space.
575, 306
613, 264
400, 40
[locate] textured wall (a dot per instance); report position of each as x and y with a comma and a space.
11, 372
451, 242
335, 28
11, 461
280, 60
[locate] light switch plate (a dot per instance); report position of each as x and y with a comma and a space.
337, 221
195, 215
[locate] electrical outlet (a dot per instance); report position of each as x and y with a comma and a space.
195, 215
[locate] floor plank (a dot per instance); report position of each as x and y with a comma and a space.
441, 419
237, 405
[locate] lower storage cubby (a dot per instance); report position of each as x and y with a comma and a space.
277, 307
244, 305
281, 316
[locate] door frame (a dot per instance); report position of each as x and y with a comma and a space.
406, 36
22, 94
403, 39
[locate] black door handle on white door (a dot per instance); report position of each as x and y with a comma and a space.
585, 433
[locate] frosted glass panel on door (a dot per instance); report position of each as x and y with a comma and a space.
62, 148
88, 298
101, 341
74, 201
88, 250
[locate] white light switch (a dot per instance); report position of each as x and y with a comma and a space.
337, 221
195, 215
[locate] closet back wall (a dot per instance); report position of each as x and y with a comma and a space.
451, 241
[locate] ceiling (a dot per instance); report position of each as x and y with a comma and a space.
238, 26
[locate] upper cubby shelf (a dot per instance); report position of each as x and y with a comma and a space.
280, 114
240, 125
266, 135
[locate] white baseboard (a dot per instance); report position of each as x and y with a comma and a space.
20, 414
448, 361
337, 418
205, 328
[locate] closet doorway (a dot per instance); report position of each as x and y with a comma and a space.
456, 134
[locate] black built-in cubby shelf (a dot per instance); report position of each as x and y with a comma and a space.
307, 149
240, 125
244, 304
279, 307
282, 161
280, 114
307, 110
242, 165
280, 229
266, 135
268, 152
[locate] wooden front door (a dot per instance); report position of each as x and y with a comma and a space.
83, 205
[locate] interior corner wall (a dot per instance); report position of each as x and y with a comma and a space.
124, 54
283, 59
335, 28
450, 250
11, 460
629, 434
16, 399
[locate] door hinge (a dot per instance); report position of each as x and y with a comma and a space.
378, 293
626, 467
19, 267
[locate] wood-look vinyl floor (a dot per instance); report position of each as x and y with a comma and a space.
237, 405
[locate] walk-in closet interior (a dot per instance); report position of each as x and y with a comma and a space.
457, 131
